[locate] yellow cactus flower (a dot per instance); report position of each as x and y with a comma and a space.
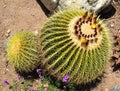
93, 26
82, 40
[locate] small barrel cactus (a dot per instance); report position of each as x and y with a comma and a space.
23, 51
75, 43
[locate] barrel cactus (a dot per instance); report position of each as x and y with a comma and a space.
75, 43
23, 51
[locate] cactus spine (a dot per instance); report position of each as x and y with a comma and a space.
76, 43
23, 51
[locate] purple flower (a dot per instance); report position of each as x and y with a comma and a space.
32, 89
65, 78
18, 76
6, 82
40, 76
29, 76
38, 70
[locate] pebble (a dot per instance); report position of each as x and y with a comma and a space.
117, 71
7, 34
91, 5
7, 69
112, 25
8, 31
46, 85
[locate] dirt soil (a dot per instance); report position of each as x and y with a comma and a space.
17, 15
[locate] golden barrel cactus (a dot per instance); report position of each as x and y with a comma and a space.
23, 51
75, 43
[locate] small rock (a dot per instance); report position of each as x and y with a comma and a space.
4, 6
46, 85
8, 31
7, 35
112, 25
7, 69
117, 71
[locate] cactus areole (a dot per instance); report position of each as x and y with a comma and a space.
75, 43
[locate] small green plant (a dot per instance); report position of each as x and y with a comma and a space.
76, 46
41, 84
23, 51
21, 84
14, 85
27, 85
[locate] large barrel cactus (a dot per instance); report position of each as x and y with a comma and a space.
75, 43
23, 51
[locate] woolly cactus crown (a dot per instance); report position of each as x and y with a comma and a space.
23, 51
76, 43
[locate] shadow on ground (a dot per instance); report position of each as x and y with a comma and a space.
91, 85
107, 12
30, 75
46, 11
